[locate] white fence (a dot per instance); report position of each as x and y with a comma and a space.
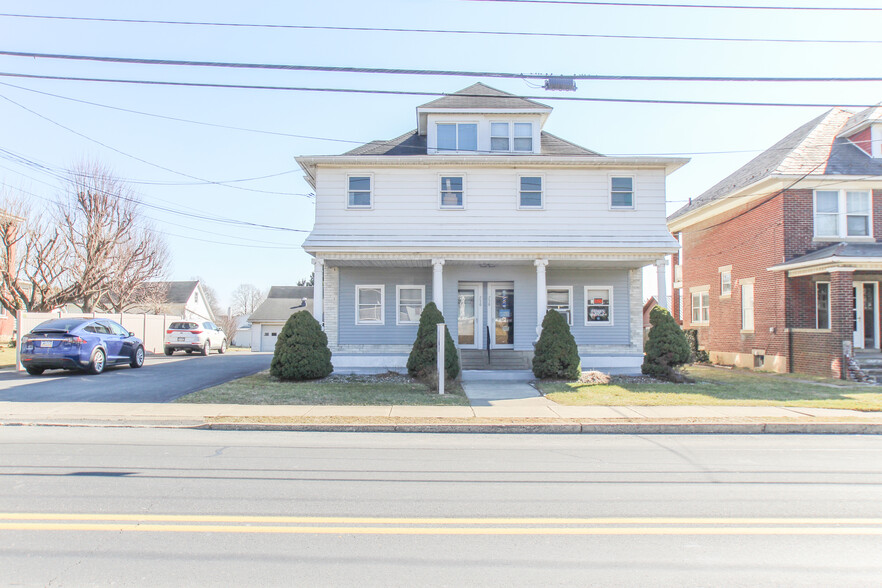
150, 328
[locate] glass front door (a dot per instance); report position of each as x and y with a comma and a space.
503, 316
469, 303
865, 316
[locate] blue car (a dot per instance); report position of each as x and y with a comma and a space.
86, 344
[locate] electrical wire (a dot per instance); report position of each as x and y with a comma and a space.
709, 6
442, 31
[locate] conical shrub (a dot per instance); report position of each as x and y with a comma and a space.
667, 347
301, 350
556, 354
423, 360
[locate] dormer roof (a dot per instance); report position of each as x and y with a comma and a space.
480, 98
862, 120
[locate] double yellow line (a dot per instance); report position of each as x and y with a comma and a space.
437, 525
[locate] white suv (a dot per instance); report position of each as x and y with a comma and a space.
194, 336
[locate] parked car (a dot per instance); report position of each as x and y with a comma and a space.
190, 336
85, 344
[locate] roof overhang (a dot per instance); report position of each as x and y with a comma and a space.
423, 113
829, 264
423, 256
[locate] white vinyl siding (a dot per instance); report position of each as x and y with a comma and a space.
530, 192
598, 305
370, 302
409, 304
747, 307
560, 298
843, 213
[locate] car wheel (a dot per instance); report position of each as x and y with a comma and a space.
189, 351
206, 349
137, 357
223, 347
169, 350
96, 366
34, 370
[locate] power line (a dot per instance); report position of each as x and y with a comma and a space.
442, 31
430, 94
426, 72
711, 6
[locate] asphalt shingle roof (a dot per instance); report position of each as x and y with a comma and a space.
175, 292
866, 250
482, 96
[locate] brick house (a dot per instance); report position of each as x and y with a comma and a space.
781, 262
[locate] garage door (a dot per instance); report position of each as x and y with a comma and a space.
269, 335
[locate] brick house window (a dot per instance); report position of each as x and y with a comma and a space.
822, 305
700, 308
747, 307
726, 283
842, 213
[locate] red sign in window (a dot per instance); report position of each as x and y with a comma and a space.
598, 301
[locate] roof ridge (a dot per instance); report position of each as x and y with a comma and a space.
806, 143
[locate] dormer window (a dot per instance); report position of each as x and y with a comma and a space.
511, 136
457, 136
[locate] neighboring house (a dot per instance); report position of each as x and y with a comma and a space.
268, 319
495, 220
781, 261
9, 223
185, 299
647, 308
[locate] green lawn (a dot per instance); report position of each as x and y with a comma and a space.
720, 386
356, 390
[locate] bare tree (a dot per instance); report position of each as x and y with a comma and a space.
229, 324
310, 281
138, 263
246, 298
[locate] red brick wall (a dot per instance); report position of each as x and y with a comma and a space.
862, 140
750, 240
815, 353
799, 221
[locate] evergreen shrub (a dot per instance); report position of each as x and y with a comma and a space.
556, 354
667, 347
698, 355
423, 360
301, 350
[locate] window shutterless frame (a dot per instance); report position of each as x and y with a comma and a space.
701, 308
360, 191
598, 305
842, 214
370, 304
822, 305
451, 137
531, 191
451, 191
408, 303
622, 195
560, 298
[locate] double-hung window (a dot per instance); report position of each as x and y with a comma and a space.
560, 298
369, 304
747, 307
822, 305
500, 136
842, 213
700, 308
530, 192
452, 190
621, 192
359, 192
598, 305
411, 300
726, 283
523, 137
457, 136
506, 136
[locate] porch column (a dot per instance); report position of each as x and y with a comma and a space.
318, 290
438, 283
842, 318
541, 294
662, 283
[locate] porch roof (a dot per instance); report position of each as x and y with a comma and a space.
841, 256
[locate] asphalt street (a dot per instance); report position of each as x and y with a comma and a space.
86, 506
162, 379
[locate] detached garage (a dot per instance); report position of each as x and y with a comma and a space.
269, 318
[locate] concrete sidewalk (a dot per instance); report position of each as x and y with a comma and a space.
528, 415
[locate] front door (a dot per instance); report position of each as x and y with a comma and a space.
501, 315
866, 302
469, 330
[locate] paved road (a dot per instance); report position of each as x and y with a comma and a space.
183, 507
162, 379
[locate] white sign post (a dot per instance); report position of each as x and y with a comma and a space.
440, 348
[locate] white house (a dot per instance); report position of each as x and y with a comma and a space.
496, 221
185, 299
268, 319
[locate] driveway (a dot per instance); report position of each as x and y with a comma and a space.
162, 379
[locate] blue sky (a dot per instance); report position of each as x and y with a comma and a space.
225, 255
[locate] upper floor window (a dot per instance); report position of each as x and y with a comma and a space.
530, 195
725, 282
452, 190
621, 193
842, 213
359, 192
457, 136
511, 136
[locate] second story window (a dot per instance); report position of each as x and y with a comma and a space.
451, 192
621, 193
842, 213
359, 192
511, 137
457, 137
530, 195
523, 136
725, 282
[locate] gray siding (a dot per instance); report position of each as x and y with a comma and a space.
388, 334
618, 333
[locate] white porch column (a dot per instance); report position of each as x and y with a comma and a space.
662, 283
318, 291
438, 283
541, 294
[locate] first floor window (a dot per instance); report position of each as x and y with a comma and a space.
451, 192
747, 307
621, 192
560, 299
700, 308
369, 305
530, 192
598, 305
822, 305
411, 300
359, 192
725, 283
457, 136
